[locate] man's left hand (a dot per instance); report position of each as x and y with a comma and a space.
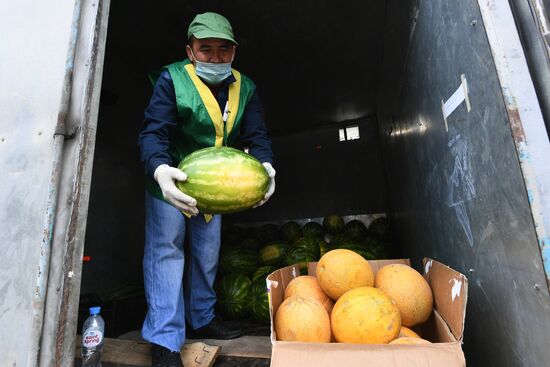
271, 189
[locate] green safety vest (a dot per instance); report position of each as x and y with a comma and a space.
201, 122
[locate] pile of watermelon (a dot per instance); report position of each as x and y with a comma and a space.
250, 254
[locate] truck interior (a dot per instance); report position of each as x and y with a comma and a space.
352, 95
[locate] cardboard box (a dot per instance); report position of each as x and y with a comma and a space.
444, 328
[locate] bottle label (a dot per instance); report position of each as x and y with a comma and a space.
92, 338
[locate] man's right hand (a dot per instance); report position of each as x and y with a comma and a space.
165, 176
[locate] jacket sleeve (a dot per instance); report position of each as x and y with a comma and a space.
159, 122
253, 132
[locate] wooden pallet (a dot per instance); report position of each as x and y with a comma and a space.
243, 347
138, 353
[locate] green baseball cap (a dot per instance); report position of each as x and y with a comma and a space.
211, 25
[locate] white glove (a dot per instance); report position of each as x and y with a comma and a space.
271, 189
165, 176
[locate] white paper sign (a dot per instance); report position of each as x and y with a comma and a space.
452, 103
459, 96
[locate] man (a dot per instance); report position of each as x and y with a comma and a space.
196, 103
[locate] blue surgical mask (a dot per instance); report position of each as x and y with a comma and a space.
212, 73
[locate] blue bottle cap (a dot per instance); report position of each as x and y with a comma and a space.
95, 310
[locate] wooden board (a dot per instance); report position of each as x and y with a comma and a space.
245, 346
138, 353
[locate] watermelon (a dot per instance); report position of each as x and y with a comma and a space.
251, 232
382, 250
250, 243
312, 229
339, 239
380, 229
238, 261
359, 249
343, 241
262, 272
268, 232
233, 296
301, 256
259, 301
333, 224
291, 231
355, 230
223, 179
274, 253
323, 247
310, 244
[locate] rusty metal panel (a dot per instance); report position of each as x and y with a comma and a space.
59, 328
533, 26
525, 117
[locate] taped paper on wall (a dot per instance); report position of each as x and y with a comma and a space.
459, 96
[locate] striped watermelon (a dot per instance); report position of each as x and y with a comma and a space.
223, 179
323, 247
262, 272
380, 229
233, 296
355, 230
268, 232
291, 231
274, 253
301, 256
238, 261
382, 250
333, 224
250, 243
309, 244
359, 249
312, 229
259, 301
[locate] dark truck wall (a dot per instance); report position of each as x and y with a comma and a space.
318, 175
459, 196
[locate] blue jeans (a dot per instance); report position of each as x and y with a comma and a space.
171, 299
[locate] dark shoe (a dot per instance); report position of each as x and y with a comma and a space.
163, 357
216, 329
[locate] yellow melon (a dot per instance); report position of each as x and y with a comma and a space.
307, 286
365, 315
406, 332
410, 340
409, 290
340, 270
301, 319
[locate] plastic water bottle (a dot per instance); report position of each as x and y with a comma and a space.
92, 338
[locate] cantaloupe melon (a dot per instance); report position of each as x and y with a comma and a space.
307, 286
302, 320
406, 332
365, 315
340, 270
410, 340
409, 290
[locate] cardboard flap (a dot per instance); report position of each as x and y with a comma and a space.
450, 291
379, 264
